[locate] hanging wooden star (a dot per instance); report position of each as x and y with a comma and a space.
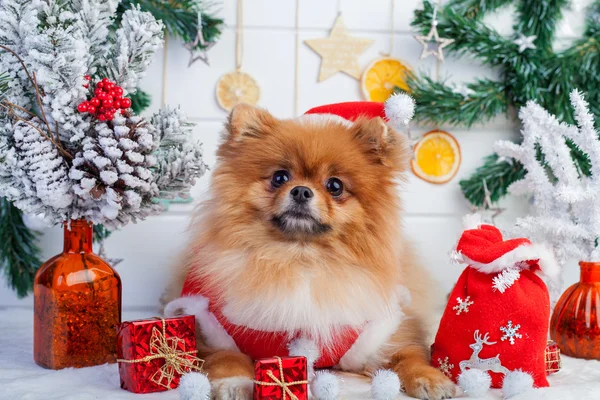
487, 210
433, 43
202, 52
339, 52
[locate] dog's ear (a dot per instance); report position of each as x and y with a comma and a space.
246, 121
382, 143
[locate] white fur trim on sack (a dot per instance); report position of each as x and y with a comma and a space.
213, 332
525, 252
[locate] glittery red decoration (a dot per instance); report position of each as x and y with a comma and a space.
294, 371
553, 361
134, 343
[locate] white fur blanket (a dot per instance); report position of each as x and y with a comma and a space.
21, 378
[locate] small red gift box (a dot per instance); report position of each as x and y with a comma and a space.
154, 353
552, 355
280, 378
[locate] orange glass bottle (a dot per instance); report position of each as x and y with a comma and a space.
575, 323
77, 305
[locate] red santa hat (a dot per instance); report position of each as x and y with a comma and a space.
482, 247
398, 110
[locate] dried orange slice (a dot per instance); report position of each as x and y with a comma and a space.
437, 157
237, 87
382, 76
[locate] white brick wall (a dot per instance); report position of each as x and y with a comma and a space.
432, 212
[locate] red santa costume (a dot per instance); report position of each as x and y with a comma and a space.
351, 345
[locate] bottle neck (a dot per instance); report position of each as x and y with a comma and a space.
78, 236
590, 272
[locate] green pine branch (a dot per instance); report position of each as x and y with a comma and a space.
181, 18
496, 175
19, 252
477, 8
140, 100
540, 18
437, 104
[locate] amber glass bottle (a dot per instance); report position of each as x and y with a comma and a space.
77, 305
575, 323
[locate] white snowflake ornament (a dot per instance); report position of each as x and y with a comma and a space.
463, 305
510, 332
445, 366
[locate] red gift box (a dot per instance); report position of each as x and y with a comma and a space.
154, 353
280, 378
552, 355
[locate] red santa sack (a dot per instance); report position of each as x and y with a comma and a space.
497, 316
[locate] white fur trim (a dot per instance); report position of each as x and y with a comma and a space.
306, 348
475, 382
368, 344
322, 119
194, 386
385, 385
515, 383
399, 110
547, 262
213, 332
472, 221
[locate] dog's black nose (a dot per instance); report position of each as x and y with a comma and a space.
301, 194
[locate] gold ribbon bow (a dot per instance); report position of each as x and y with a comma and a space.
281, 382
177, 362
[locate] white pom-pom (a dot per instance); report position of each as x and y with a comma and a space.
385, 385
305, 347
516, 382
399, 110
474, 382
194, 386
325, 386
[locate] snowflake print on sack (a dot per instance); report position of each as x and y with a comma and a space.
510, 332
445, 367
463, 305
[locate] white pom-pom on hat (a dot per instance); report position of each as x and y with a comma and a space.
385, 385
325, 386
515, 383
399, 110
194, 386
474, 382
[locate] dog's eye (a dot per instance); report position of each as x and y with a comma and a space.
279, 178
335, 187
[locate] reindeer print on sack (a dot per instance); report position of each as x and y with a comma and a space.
486, 364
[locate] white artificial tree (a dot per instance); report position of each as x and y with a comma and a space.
566, 200
65, 164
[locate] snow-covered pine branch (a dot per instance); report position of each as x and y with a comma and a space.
138, 38
18, 19
93, 22
566, 204
67, 163
179, 159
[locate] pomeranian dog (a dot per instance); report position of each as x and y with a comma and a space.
302, 236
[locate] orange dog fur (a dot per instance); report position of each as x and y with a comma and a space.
341, 265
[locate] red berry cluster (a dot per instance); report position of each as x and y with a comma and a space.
107, 101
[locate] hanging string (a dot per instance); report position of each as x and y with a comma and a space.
297, 68
389, 53
339, 7
163, 100
239, 36
438, 63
